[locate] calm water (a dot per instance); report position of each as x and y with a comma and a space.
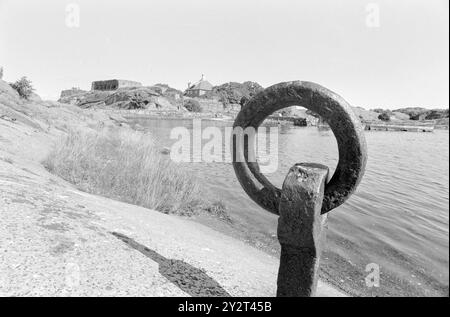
398, 218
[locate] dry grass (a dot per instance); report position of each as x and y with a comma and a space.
127, 166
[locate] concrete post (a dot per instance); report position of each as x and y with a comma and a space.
300, 229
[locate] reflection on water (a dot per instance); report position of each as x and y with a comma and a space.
398, 218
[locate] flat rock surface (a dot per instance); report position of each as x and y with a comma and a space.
57, 241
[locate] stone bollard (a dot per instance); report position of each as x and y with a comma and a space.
306, 196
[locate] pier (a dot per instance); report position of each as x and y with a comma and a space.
398, 127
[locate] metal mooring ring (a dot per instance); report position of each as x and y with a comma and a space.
333, 109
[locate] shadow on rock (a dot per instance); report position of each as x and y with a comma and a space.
188, 278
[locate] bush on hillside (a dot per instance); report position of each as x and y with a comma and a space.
384, 116
244, 100
233, 93
193, 106
23, 87
436, 114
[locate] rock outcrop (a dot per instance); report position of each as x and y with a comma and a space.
234, 93
417, 113
72, 92
153, 97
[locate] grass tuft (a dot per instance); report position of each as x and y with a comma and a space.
127, 166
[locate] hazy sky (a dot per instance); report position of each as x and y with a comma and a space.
396, 58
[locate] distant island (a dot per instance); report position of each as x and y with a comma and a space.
225, 101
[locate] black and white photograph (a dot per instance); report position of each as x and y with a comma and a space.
233, 151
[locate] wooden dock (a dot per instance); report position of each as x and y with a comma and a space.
398, 127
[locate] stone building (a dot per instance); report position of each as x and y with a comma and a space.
113, 84
199, 88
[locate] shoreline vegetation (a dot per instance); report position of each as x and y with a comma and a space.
128, 166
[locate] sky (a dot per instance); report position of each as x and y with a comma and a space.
386, 53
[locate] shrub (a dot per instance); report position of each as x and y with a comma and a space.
127, 166
193, 105
232, 92
384, 116
436, 114
244, 100
23, 87
218, 209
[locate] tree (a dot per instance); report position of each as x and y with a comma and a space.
243, 100
193, 105
23, 87
384, 116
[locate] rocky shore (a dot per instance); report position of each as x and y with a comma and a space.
56, 240
225, 101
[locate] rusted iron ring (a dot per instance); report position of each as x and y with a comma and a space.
331, 108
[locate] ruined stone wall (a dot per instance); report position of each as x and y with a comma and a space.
105, 85
113, 84
128, 83
210, 105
